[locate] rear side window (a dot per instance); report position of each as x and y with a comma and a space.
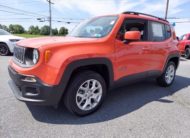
157, 31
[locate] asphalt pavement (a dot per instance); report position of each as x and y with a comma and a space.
141, 110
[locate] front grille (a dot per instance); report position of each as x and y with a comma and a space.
19, 54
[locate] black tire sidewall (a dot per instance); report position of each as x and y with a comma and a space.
162, 80
7, 52
187, 50
169, 64
73, 88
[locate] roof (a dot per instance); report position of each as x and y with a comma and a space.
138, 13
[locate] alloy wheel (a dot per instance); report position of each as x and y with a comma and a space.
3, 50
89, 95
170, 74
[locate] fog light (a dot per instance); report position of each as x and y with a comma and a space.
28, 79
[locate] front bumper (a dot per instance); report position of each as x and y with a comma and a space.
33, 92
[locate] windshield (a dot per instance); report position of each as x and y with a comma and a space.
95, 28
3, 32
183, 37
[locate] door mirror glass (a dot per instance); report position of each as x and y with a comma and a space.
132, 35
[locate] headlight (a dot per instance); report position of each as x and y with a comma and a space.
35, 56
28, 56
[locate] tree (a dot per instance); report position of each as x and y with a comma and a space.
55, 31
45, 30
16, 29
63, 31
34, 30
4, 27
11, 28
31, 29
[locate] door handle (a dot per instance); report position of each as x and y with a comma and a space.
145, 48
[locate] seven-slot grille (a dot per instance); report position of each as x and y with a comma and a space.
19, 54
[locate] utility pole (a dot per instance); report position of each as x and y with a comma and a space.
50, 17
166, 13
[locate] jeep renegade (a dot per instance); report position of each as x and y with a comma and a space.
80, 68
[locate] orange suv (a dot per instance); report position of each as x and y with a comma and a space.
80, 68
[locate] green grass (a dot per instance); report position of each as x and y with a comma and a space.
28, 35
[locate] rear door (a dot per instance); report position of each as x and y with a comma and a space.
160, 36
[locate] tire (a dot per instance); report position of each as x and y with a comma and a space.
4, 50
168, 76
81, 99
187, 53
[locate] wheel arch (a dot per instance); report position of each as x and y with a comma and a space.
187, 46
100, 65
1, 42
173, 57
103, 66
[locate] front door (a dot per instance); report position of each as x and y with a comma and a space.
132, 57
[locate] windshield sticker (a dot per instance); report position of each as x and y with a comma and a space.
112, 23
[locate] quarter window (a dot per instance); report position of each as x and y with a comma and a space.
168, 31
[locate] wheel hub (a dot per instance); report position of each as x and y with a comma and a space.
89, 95
170, 74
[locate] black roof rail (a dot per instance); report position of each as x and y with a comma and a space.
138, 13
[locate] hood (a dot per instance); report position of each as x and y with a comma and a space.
54, 41
7, 37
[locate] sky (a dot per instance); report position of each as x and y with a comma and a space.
26, 12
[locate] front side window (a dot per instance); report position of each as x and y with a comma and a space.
95, 28
157, 31
133, 25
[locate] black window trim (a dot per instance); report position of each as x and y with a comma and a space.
148, 28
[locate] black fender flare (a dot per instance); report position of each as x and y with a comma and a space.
62, 86
173, 55
187, 45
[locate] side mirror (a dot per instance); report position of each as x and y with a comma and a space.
132, 35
